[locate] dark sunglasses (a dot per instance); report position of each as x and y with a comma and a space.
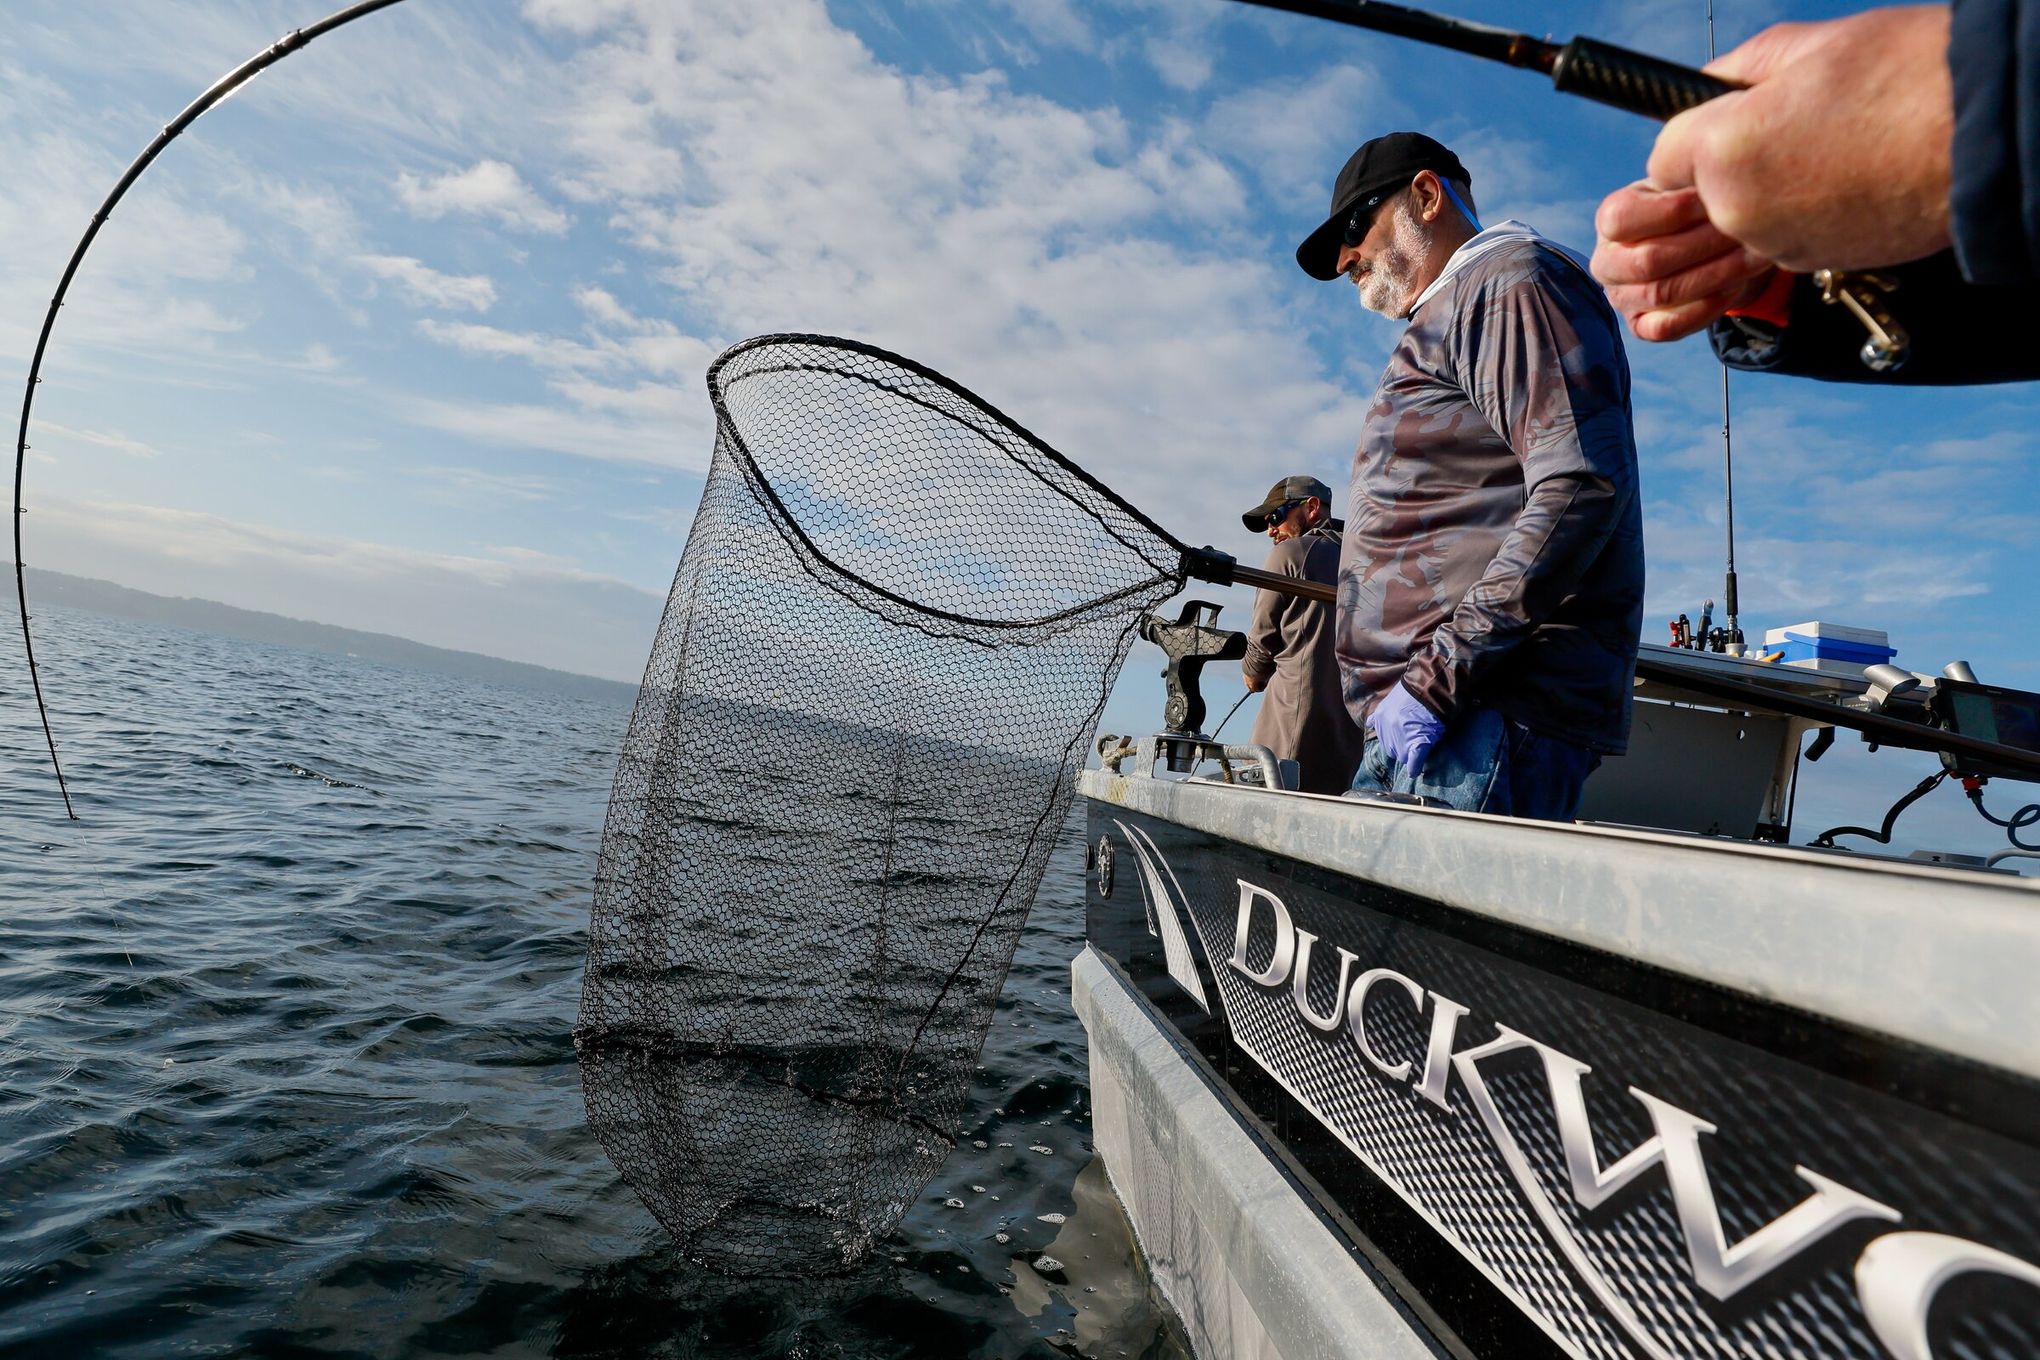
1279, 513
1361, 220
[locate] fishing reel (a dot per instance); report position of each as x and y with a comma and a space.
1708, 637
1863, 292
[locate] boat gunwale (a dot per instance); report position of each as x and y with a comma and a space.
1923, 954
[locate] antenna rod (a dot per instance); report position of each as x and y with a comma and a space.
1733, 646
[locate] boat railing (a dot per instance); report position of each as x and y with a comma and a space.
1239, 763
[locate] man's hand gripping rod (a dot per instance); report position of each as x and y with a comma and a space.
1626, 80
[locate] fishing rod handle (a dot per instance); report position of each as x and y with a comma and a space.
1631, 80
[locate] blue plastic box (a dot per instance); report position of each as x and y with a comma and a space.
1827, 649
1828, 646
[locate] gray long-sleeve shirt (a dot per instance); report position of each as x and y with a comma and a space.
1494, 543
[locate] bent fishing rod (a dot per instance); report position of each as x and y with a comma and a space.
1632, 81
213, 94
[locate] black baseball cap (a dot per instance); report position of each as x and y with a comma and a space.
1378, 169
1298, 488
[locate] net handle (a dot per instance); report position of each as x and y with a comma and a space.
1286, 585
1209, 564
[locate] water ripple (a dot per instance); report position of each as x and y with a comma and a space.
285, 1053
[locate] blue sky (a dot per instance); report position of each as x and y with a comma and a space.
409, 335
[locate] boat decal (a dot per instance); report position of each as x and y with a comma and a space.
1747, 1209
1163, 916
1720, 1269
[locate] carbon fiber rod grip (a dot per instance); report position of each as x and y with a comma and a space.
1630, 80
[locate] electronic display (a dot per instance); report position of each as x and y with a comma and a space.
2009, 717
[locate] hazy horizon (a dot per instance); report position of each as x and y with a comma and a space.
68, 590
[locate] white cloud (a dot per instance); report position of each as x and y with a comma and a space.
147, 271
319, 358
103, 439
663, 427
1294, 134
634, 397
1795, 464
488, 188
1034, 251
466, 485
494, 342
604, 310
427, 286
1785, 577
318, 214
1177, 40
1181, 61
1053, 23
399, 83
1507, 182
655, 348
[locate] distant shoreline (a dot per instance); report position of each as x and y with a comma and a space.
250, 625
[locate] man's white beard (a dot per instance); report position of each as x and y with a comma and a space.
1390, 283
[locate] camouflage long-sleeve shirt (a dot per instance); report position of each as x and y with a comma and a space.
1494, 536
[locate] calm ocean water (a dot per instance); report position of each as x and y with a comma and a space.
286, 1063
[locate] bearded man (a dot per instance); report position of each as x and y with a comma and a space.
1491, 578
1289, 659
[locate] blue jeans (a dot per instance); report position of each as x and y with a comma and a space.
1489, 763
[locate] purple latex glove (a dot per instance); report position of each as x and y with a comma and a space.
1406, 728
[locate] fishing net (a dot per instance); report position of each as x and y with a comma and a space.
894, 624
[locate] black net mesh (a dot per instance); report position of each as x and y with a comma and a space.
894, 624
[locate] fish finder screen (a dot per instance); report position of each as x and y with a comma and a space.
2008, 717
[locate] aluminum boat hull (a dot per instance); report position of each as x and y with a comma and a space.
1378, 1080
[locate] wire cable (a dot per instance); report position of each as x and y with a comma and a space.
1883, 834
1221, 725
2018, 821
